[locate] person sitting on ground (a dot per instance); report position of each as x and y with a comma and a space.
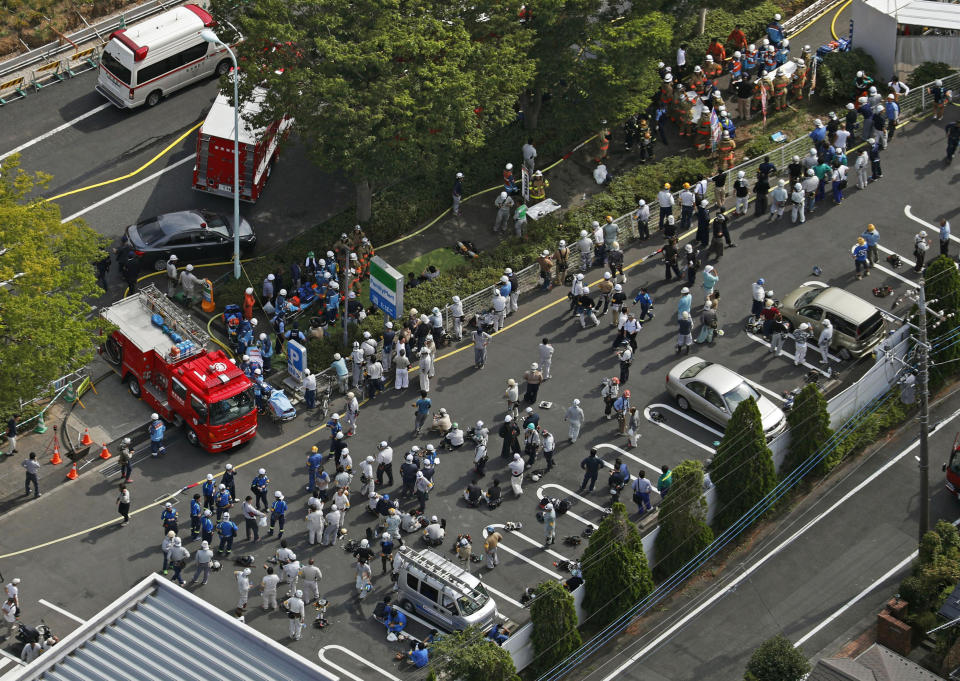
454, 437
494, 494
442, 421
395, 621
433, 533
418, 655
473, 495
385, 505
498, 634
412, 281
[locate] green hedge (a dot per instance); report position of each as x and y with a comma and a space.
928, 72
836, 73
720, 22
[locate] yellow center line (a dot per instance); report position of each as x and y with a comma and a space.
833, 23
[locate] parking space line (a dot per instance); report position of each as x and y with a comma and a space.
63, 612
646, 413
497, 592
909, 214
530, 561
784, 353
769, 392
530, 541
621, 452
11, 657
358, 658
576, 496
674, 410
884, 249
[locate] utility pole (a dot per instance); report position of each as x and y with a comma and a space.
345, 299
924, 357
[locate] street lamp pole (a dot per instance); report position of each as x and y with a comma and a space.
211, 37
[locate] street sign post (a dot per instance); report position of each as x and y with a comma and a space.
296, 360
386, 287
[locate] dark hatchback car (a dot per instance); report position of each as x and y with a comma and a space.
191, 235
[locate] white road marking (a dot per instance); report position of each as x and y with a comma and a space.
532, 542
774, 396
577, 496
621, 452
646, 413
63, 612
881, 247
529, 561
358, 658
508, 599
120, 193
783, 353
894, 274
766, 343
745, 574
846, 606
51, 133
909, 214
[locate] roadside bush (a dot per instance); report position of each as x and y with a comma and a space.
928, 72
890, 415
683, 521
615, 570
468, 656
809, 425
943, 287
555, 634
777, 660
836, 73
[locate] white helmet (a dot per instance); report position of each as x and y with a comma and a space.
709, 59
563, 242
509, 166
249, 290
741, 174
752, 48
583, 232
126, 440
503, 195
804, 326
641, 203
618, 288
776, 17
479, 424
785, 43
737, 55
283, 292
154, 416
859, 74
456, 299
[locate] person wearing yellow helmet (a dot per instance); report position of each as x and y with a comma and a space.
860, 258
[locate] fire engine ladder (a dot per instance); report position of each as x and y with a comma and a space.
178, 320
431, 568
203, 156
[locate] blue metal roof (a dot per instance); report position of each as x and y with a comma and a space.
161, 632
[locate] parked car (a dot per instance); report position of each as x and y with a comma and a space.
714, 391
858, 326
191, 235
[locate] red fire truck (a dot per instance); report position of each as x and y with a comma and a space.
952, 469
161, 352
259, 149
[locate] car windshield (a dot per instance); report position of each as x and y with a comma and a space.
738, 395
216, 223
113, 65
807, 298
231, 408
695, 369
150, 232
468, 606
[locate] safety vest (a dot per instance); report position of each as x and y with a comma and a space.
736, 68
770, 60
604, 139
538, 188
750, 59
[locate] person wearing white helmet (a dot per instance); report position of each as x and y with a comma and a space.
243, 588
190, 285
797, 203
800, 337
574, 417
873, 152
278, 512
126, 459
561, 262
173, 276
741, 190
357, 360
779, 198
339, 366
504, 204
641, 220
585, 244
940, 96
824, 340
204, 558
775, 30
157, 429
228, 530
920, 247
684, 333
296, 612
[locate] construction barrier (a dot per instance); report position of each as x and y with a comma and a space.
81, 61
47, 75
10, 88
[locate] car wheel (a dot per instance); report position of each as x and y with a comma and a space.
192, 437
406, 605
154, 98
160, 264
134, 386
223, 68
844, 354
683, 403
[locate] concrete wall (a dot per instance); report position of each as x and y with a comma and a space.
875, 32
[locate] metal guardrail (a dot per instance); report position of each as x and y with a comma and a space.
798, 20
97, 31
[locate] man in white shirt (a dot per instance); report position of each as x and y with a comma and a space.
268, 589
499, 310
315, 525
666, 202
456, 313
9, 609
454, 437
516, 474
243, 588
311, 577
30, 652
546, 358
586, 250
375, 382
296, 612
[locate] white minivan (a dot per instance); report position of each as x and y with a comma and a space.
160, 55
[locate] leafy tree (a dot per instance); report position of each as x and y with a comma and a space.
742, 470
684, 531
836, 73
554, 618
809, 425
46, 270
380, 88
468, 656
943, 295
776, 660
599, 64
928, 72
615, 569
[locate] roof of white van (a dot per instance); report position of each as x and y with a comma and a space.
168, 26
219, 122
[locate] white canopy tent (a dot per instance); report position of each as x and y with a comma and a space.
875, 29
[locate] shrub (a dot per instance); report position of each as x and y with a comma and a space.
777, 660
555, 634
928, 72
809, 425
468, 656
615, 570
683, 521
943, 287
836, 73
742, 469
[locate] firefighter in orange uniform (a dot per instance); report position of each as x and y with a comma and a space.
725, 149
762, 85
780, 84
538, 187
799, 80
364, 253
703, 131
712, 70
603, 141
698, 83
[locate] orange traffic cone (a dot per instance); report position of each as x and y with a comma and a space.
56, 460
85, 440
105, 453
72, 473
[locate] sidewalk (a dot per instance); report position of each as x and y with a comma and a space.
109, 415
